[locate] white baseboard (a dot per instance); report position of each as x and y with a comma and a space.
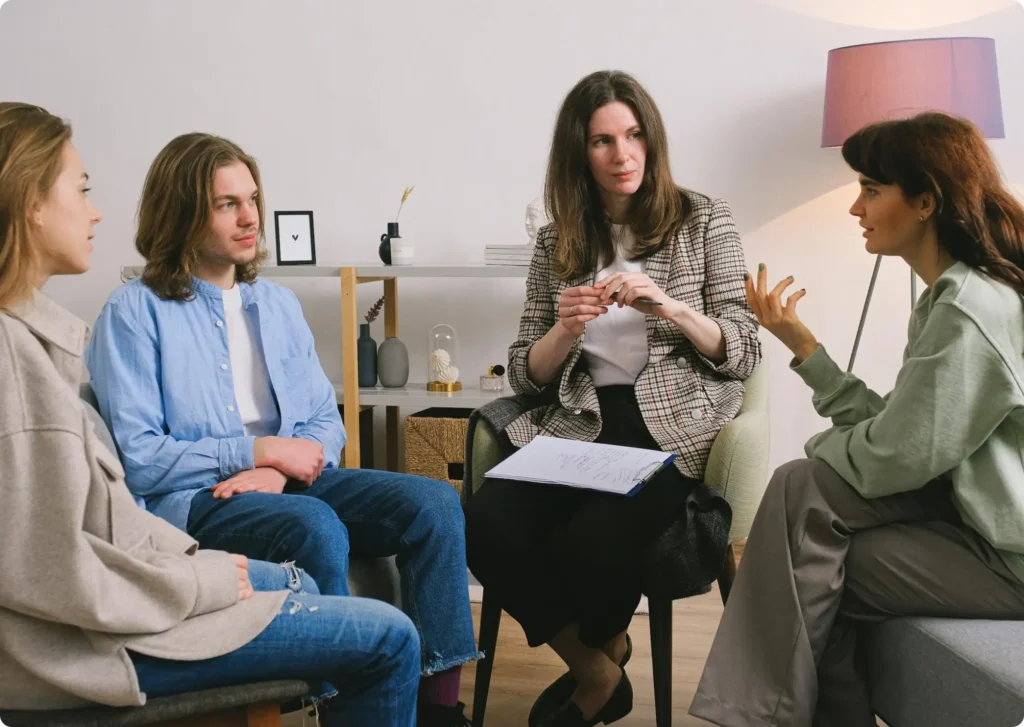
476, 595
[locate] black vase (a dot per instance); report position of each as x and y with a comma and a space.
366, 349
385, 243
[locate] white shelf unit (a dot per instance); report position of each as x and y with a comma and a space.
416, 396
380, 272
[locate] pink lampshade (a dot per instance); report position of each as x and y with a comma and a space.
895, 80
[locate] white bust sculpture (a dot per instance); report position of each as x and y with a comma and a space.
536, 218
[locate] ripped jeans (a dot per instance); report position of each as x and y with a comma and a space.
362, 656
364, 514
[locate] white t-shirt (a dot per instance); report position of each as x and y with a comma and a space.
253, 394
615, 343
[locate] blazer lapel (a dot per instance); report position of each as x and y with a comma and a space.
659, 265
658, 268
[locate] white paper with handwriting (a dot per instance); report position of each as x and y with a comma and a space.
591, 466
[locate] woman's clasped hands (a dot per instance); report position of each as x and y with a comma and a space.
579, 305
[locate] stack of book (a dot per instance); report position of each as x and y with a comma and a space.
508, 255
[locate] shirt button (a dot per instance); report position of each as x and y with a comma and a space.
220, 324
223, 367
231, 408
696, 414
681, 362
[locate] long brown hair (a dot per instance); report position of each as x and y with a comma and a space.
32, 142
977, 221
175, 210
659, 207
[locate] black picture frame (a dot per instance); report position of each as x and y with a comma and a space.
292, 259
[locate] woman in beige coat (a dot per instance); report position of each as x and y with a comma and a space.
100, 601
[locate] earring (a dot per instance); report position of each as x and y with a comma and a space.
921, 218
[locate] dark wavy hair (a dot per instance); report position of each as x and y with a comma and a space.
978, 221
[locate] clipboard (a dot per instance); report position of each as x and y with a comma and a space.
607, 468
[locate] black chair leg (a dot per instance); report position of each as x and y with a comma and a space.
661, 658
490, 619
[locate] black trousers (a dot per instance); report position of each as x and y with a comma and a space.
559, 555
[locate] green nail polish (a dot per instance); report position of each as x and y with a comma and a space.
760, 266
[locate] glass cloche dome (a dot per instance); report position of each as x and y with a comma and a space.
443, 359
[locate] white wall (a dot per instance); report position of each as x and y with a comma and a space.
345, 104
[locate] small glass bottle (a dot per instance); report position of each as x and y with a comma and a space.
442, 360
493, 382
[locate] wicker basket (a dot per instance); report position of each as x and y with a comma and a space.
435, 444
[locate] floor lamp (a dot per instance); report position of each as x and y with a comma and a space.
884, 81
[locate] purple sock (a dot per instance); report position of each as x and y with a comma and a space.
441, 688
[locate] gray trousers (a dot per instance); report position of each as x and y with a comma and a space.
821, 562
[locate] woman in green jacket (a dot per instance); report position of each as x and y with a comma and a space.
912, 503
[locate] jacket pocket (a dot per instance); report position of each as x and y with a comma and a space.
128, 529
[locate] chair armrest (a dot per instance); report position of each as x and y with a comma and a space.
487, 451
485, 447
738, 467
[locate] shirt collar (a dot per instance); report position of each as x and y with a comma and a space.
215, 292
50, 322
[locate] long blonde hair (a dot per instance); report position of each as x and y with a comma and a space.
32, 142
174, 212
571, 195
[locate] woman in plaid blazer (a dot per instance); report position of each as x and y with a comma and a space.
637, 330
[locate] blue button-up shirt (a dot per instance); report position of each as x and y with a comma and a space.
158, 370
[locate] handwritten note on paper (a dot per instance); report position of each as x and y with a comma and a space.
603, 467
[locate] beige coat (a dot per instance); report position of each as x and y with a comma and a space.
85, 574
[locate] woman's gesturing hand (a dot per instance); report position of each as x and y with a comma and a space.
777, 317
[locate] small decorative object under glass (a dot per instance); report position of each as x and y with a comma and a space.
442, 358
493, 381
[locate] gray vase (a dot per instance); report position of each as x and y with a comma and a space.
393, 363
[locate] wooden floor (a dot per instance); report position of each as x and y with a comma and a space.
521, 673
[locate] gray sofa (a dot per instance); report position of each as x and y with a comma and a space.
936, 672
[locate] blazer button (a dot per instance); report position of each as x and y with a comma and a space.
696, 414
681, 362
577, 412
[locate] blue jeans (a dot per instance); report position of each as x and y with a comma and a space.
364, 653
368, 514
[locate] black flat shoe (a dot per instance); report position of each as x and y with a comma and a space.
558, 692
618, 706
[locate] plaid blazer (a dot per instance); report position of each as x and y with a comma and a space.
684, 397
